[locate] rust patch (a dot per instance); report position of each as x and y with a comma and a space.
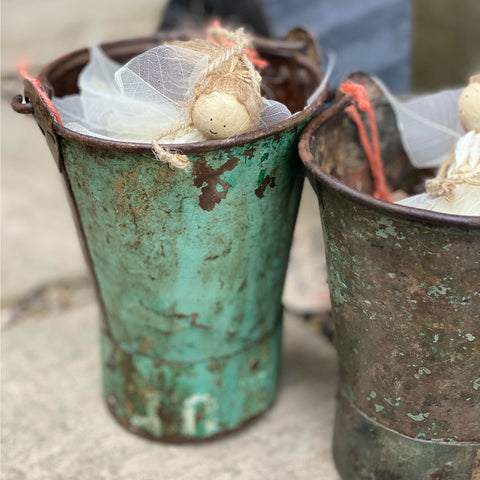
249, 153
443, 474
194, 322
242, 286
205, 174
260, 190
146, 346
129, 190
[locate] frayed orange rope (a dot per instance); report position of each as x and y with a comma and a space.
22, 70
251, 53
361, 101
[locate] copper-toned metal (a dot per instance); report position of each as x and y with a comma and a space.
405, 290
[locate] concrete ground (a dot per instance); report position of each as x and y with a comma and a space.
54, 422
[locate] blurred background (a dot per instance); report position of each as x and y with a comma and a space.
421, 44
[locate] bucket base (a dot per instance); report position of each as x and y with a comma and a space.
188, 402
363, 449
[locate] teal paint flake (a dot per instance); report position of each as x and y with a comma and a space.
356, 262
388, 229
438, 290
351, 395
476, 384
469, 337
421, 371
418, 418
391, 402
336, 253
378, 408
436, 337
261, 177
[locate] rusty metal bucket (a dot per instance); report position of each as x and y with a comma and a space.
405, 291
189, 266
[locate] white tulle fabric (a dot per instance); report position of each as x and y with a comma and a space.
466, 195
430, 130
143, 98
428, 125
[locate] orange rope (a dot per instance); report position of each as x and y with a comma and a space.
361, 101
250, 52
22, 70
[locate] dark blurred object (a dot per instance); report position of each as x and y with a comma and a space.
446, 42
371, 35
197, 13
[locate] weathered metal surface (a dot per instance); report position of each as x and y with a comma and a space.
405, 290
181, 401
189, 266
364, 449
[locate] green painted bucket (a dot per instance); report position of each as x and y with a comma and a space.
189, 266
405, 291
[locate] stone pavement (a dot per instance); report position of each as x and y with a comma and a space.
54, 422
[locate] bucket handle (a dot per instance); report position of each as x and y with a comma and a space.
21, 104
306, 39
32, 103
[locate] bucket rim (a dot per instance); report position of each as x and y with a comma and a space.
404, 212
82, 54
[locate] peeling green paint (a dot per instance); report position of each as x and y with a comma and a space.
393, 403
356, 262
419, 417
351, 395
438, 290
388, 229
416, 308
421, 371
176, 257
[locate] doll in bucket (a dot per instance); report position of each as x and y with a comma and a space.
178, 92
456, 189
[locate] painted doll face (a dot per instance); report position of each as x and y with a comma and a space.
469, 106
220, 115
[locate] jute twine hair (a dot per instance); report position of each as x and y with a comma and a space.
448, 178
229, 71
